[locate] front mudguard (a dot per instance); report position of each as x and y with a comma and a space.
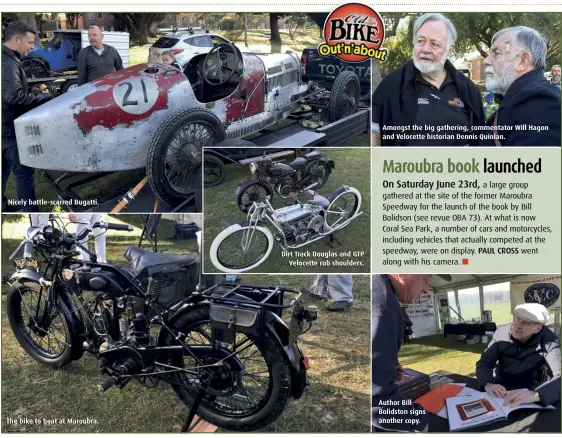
65, 305
248, 182
295, 357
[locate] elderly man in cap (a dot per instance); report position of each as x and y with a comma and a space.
389, 292
525, 356
428, 92
515, 73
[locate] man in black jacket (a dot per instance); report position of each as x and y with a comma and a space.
16, 100
529, 111
428, 102
525, 356
98, 59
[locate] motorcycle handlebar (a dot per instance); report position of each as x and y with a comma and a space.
118, 227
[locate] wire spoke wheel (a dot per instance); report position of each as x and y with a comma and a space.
231, 392
184, 155
34, 68
212, 172
342, 208
318, 173
232, 254
251, 194
41, 325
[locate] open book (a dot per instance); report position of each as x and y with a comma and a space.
480, 408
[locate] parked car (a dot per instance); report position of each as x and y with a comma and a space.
184, 46
157, 117
325, 70
59, 55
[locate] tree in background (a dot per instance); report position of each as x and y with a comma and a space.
275, 34
474, 33
139, 25
72, 19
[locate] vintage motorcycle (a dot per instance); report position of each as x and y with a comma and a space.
277, 177
224, 349
246, 245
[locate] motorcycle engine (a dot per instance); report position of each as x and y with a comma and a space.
304, 228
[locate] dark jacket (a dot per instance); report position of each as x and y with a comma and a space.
530, 100
16, 99
92, 66
519, 365
387, 333
395, 100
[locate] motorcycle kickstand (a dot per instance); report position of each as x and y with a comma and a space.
196, 403
333, 239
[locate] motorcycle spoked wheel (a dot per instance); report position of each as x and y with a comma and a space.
343, 205
239, 401
226, 250
319, 173
253, 192
47, 340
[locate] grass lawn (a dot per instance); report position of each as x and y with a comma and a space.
338, 347
433, 353
352, 168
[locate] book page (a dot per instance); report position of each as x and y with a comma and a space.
507, 410
467, 412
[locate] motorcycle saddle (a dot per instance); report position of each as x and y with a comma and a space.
320, 201
153, 262
314, 155
298, 162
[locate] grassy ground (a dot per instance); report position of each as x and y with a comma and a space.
352, 168
432, 353
501, 312
338, 346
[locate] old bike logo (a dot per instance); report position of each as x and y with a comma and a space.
542, 293
354, 32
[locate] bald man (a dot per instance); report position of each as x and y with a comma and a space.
98, 59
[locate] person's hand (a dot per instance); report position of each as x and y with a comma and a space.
520, 396
495, 390
400, 372
73, 217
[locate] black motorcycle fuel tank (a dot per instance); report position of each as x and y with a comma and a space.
280, 169
96, 278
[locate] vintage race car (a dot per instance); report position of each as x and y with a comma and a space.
158, 117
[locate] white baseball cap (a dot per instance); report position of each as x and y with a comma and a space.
532, 312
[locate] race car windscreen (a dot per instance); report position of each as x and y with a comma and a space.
166, 43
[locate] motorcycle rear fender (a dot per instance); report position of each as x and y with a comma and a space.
66, 306
330, 163
280, 332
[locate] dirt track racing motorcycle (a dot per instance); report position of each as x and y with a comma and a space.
246, 245
224, 349
283, 178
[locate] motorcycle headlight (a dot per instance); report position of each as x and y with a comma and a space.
253, 168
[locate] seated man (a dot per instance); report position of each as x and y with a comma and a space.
525, 356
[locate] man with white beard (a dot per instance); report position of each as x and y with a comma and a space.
529, 110
428, 92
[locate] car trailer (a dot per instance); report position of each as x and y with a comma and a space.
141, 199
63, 82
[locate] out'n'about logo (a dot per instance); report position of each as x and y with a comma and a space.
354, 33
542, 293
